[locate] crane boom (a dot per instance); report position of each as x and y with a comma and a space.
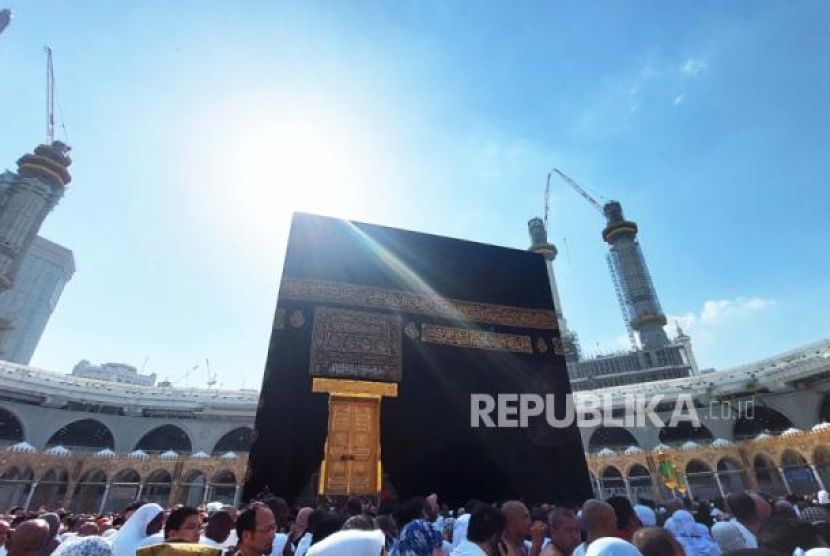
50, 97
579, 190
547, 202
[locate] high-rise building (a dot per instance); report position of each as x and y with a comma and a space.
44, 271
26, 197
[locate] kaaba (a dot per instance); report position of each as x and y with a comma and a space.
382, 339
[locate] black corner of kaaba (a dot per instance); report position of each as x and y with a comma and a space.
392, 356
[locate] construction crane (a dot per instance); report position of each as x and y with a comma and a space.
50, 97
547, 202
579, 190
211, 376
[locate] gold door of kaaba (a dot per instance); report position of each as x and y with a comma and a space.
353, 446
351, 457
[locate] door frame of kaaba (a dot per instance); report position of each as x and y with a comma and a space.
356, 393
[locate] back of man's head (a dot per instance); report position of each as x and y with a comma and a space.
655, 541
673, 505
623, 509
29, 538
219, 526
599, 519
742, 506
354, 506
777, 534
89, 529
470, 505
486, 522
279, 507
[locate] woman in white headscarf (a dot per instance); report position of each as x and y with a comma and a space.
84, 546
728, 536
353, 542
646, 515
145, 521
612, 546
695, 542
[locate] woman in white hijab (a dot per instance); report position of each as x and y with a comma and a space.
353, 542
84, 546
612, 546
695, 542
135, 530
646, 515
728, 536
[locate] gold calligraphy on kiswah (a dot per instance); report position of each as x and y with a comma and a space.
356, 344
431, 305
479, 339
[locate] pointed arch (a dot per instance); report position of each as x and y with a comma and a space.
613, 438
821, 459
124, 488
84, 434
15, 486
824, 409
165, 437
612, 482
11, 427
51, 489
761, 419
766, 475
685, 431
640, 484
732, 475
799, 475
89, 492
223, 487
238, 440
701, 480
157, 487
193, 488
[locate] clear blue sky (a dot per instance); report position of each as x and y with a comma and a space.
198, 127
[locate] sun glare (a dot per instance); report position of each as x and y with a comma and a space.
309, 160
297, 167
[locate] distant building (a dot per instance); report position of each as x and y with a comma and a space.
25, 308
113, 372
674, 360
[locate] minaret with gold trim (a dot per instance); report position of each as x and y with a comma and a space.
25, 201
629, 268
539, 244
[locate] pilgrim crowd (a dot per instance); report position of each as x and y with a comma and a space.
743, 524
